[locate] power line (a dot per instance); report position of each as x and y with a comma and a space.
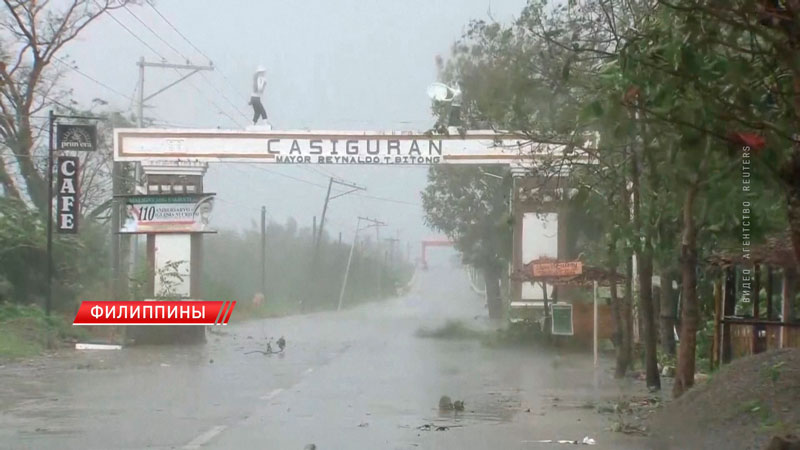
164, 59
179, 53
321, 186
188, 41
178, 31
134, 35
154, 33
93, 79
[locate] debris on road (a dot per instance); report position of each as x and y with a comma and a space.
445, 404
281, 345
85, 346
434, 427
585, 441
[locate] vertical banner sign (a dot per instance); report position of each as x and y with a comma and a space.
76, 137
67, 195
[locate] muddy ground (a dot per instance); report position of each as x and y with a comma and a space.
742, 406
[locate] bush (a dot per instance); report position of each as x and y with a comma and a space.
25, 330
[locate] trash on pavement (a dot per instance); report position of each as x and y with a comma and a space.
85, 346
585, 441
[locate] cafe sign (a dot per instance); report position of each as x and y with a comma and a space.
167, 213
67, 197
71, 137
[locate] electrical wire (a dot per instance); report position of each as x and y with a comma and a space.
188, 41
164, 59
111, 89
186, 58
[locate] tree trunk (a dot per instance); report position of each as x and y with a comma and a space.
653, 378
668, 307
684, 374
619, 320
625, 356
644, 261
494, 299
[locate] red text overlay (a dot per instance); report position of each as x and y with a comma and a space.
189, 312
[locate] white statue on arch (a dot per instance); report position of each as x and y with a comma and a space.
259, 84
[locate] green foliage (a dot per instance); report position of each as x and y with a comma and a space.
26, 331
452, 329
472, 209
232, 270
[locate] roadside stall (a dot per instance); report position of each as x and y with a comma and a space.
568, 313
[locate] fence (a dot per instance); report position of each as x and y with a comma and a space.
768, 336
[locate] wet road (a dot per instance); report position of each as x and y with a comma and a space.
358, 379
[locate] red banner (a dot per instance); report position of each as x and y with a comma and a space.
155, 312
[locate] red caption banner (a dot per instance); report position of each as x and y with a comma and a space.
157, 312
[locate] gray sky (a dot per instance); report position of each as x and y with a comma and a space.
331, 65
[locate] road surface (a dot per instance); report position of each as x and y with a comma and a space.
356, 379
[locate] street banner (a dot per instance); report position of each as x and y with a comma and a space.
182, 213
557, 269
154, 312
71, 137
67, 197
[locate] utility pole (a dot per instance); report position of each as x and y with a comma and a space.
263, 250
140, 120
353, 188
392, 242
378, 245
375, 223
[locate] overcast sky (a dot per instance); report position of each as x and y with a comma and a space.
331, 65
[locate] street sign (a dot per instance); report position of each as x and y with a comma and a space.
328, 147
562, 319
557, 269
167, 213
67, 198
70, 137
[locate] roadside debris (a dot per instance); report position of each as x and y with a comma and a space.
281, 346
447, 404
585, 441
434, 427
84, 346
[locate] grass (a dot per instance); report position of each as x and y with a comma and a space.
14, 344
452, 329
26, 331
526, 333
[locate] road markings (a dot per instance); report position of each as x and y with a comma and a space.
272, 394
205, 437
